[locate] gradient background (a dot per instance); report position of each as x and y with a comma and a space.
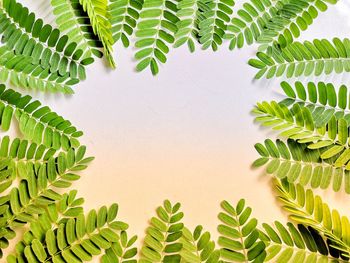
186, 135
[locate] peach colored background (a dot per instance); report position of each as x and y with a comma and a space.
186, 135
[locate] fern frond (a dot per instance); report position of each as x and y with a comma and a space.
250, 21
298, 164
55, 214
37, 123
37, 186
79, 239
213, 24
294, 17
155, 32
187, 32
29, 36
162, 241
97, 11
239, 238
304, 59
198, 247
18, 70
322, 99
297, 123
295, 244
121, 251
74, 22
308, 209
123, 15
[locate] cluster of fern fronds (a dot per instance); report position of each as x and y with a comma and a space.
38, 168
38, 56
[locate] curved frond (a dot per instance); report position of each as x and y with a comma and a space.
291, 19
298, 164
295, 244
250, 21
97, 11
297, 123
19, 70
308, 209
121, 251
239, 238
55, 214
197, 247
37, 123
76, 240
304, 59
324, 100
187, 26
162, 241
38, 183
155, 31
123, 15
29, 36
216, 14
74, 22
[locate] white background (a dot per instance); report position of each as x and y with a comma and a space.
186, 135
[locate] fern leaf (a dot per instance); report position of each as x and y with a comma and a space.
294, 17
239, 237
29, 36
323, 100
162, 241
97, 11
304, 59
295, 244
298, 164
78, 239
37, 189
19, 71
121, 251
37, 123
297, 123
250, 21
123, 16
198, 247
55, 214
213, 24
308, 209
74, 22
155, 32
188, 14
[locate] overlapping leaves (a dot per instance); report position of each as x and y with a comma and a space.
304, 59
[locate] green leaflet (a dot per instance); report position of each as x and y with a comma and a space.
187, 27
292, 18
304, 59
37, 123
292, 243
239, 237
213, 22
323, 99
308, 209
298, 124
250, 21
123, 16
155, 32
299, 164
29, 36
76, 239
19, 70
121, 251
97, 11
72, 20
198, 247
162, 241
